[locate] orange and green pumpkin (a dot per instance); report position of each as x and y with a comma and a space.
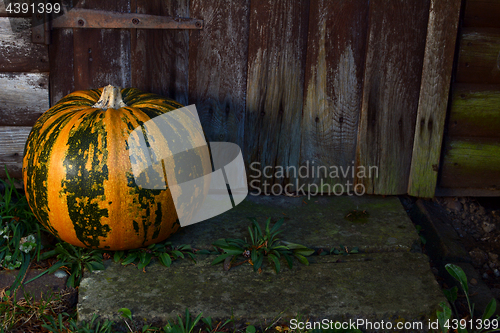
78, 176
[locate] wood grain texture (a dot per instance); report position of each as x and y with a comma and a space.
475, 111
12, 141
393, 71
333, 88
23, 97
471, 163
159, 61
479, 56
5, 3
102, 56
482, 13
275, 85
17, 52
434, 89
218, 67
62, 78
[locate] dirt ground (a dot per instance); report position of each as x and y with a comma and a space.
477, 223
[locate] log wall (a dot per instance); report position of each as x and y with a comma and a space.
24, 87
471, 163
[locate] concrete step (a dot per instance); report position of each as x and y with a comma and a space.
387, 282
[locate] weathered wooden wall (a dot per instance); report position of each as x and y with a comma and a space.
471, 150
348, 84
24, 88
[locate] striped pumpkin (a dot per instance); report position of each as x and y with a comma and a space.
78, 176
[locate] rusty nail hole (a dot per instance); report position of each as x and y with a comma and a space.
221, 136
81, 23
135, 21
39, 16
197, 24
341, 119
38, 37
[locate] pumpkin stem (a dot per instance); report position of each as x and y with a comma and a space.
111, 98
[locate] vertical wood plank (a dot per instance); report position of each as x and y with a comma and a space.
393, 70
62, 79
218, 67
275, 85
102, 56
434, 90
333, 90
61, 59
159, 61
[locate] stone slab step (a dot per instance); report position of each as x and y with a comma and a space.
391, 280
317, 222
394, 287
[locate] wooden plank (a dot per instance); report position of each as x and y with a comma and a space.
17, 52
276, 65
393, 70
62, 78
12, 141
471, 163
23, 98
5, 3
475, 111
433, 102
218, 67
482, 13
102, 56
479, 56
160, 57
333, 83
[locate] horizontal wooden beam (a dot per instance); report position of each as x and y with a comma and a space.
17, 52
23, 98
471, 163
478, 60
475, 111
12, 141
482, 13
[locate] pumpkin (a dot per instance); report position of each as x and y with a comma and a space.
78, 175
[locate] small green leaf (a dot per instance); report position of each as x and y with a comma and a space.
207, 252
165, 259
118, 255
250, 329
277, 225
490, 309
289, 260
130, 259
276, 261
459, 275
221, 258
451, 294
301, 259
257, 263
126, 313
